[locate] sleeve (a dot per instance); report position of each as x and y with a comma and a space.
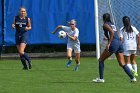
65, 28
121, 32
135, 30
76, 33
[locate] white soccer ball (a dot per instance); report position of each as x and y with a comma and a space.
62, 34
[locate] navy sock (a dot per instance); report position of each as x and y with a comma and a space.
27, 58
23, 61
101, 69
128, 72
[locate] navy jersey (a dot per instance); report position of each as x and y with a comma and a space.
20, 25
115, 46
106, 33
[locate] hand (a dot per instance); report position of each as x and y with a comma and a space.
13, 26
53, 32
26, 28
66, 33
138, 47
107, 47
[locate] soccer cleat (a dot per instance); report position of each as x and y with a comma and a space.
134, 73
69, 63
25, 68
76, 67
98, 80
30, 65
133, 80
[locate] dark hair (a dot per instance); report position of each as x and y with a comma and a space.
106, 17
127, 24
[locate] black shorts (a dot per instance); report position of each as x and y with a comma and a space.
116, 47
21, 39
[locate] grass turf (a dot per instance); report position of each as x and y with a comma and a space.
52, 76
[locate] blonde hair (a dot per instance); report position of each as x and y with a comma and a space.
72, 21
22, 8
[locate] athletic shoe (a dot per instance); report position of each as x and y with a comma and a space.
76, 67
25, 68
69, 63
134, 73
133, 80
98, 80
30, 66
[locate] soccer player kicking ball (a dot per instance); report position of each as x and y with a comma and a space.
73, 42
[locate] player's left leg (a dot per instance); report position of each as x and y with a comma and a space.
24, 43
77, 60
77, 51
22, 57
120, 59
134, 64
21, 50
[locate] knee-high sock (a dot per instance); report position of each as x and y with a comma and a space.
130, 66
135, 67
128, 72
23, 61
27, 58
70, 59
101, 69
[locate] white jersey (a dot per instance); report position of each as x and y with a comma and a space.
72, 33
129, 39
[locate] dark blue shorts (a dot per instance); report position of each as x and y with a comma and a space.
21, 39
116, 47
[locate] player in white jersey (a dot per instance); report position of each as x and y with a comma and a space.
73, 42
129, 36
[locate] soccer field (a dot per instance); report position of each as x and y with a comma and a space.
51, 76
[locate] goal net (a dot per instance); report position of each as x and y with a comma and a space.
117, 9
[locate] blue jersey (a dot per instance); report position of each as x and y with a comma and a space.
116, 45
21, 34
107, 33
20, 25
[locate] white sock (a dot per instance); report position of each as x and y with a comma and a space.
130, 66
70, 59
134, 66
78, 63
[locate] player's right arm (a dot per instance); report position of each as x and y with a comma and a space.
56, 29
121, 35
13, 25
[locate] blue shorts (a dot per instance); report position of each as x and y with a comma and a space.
116, 47
21, 39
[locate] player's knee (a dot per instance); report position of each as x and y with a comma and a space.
21, 52
121, 64
134, 62
69, 57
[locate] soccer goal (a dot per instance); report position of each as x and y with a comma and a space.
117, 9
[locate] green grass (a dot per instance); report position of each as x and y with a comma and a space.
51, 76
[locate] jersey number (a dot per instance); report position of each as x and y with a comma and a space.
130, 36
113, 27
20, 25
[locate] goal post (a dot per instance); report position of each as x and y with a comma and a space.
97, 29
117, 9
